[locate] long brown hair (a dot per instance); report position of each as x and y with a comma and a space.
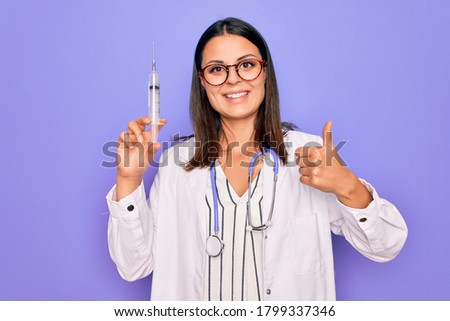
206, 121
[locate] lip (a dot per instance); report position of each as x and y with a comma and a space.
236, 94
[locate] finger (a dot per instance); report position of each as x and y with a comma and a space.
127, 137
312, 181
310, 171
303, 162
313, 159
127, 140
135, 128
147, 135
304, 151
305, 180
305, 171
162, 122
307, 151
327, 134
143, 121
300, 151
124, 140
120, 141
153, 148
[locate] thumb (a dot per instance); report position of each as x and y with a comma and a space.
327, 134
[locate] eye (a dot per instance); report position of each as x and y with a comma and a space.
215, 69
247, 64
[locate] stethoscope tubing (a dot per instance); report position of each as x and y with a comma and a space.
215, 238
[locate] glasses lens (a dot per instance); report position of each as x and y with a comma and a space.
215, 74
249, 69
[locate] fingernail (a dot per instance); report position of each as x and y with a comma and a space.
140, 139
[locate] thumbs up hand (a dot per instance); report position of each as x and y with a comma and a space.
323, 169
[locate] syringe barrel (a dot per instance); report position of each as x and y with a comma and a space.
153, 95
153, 103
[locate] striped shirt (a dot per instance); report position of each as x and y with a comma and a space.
236, 274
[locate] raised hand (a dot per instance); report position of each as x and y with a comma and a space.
323, 169
135, 152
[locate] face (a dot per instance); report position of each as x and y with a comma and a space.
236, 98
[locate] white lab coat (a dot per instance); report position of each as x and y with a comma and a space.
166, 234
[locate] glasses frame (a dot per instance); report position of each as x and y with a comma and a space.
262, 62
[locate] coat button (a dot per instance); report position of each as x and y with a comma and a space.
362, 219
130, 208
268, 291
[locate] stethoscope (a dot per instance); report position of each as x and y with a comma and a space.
214, 244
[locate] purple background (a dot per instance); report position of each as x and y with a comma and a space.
73, 73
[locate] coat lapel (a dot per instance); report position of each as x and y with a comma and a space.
197, 180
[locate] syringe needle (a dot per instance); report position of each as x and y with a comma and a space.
153, 58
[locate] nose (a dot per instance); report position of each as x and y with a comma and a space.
233, 77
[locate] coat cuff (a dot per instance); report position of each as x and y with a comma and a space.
128, 207
366, 218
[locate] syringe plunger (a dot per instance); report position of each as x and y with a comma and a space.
153, 98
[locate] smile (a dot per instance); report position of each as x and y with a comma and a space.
236, 95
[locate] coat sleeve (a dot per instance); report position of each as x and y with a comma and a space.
378, 231
131, 229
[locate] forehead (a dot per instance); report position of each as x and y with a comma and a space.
228, 48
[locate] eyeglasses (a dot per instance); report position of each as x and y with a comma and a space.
248, 69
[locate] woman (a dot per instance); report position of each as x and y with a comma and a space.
244, 210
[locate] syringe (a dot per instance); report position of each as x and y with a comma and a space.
153, 98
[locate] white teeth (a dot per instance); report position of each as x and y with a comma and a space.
236, 95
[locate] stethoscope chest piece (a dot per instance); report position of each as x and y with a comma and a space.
214, 246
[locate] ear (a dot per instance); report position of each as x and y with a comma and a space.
202, 81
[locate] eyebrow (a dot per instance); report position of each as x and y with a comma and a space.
221, 61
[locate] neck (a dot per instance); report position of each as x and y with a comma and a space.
238, 142
237, 131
